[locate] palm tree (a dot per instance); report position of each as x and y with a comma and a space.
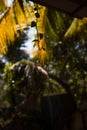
58, 41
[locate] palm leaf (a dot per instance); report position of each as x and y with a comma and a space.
54, 24
50, 24
12, 16
77, 27
20, 17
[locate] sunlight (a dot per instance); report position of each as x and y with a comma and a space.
9, 2
28, 44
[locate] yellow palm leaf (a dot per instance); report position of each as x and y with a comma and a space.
8, 22
78, 27
42, 54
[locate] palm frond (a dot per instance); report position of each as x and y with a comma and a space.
50, 24
7, 31
77, 27
56, 19
8, 25
19, 15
